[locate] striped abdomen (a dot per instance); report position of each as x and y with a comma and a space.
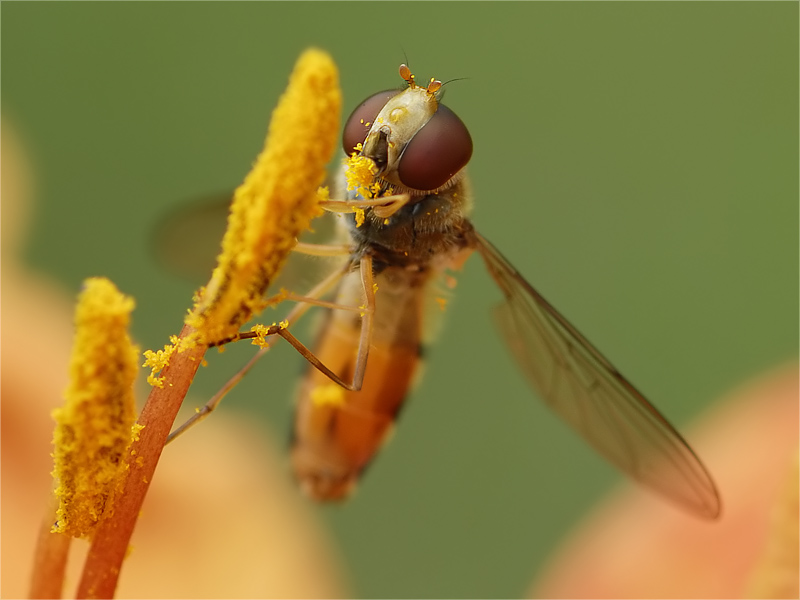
336, 431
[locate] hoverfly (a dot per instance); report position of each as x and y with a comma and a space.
415, 229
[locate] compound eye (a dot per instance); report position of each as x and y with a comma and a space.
362, 118
437, 152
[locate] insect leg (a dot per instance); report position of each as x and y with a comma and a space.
323, 303
386, 205
319, 290
388, 210
367, 311
323, 249
365, 341
307, 301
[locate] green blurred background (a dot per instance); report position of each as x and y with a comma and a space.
636, 161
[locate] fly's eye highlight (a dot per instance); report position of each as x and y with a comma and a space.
362, 118
439, 150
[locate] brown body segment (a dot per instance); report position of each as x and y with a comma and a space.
335, 440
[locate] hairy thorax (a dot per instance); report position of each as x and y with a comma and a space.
426, 233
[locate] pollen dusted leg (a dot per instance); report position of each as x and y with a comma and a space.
337, 432
385, 206
304, 303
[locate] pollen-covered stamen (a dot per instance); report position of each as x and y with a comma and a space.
93, 427
277, 200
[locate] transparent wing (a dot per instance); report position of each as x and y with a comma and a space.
580, 385
187, 241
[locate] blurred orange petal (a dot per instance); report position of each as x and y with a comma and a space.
635, 546
222, 519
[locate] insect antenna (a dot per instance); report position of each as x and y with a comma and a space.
405, 56
440, 94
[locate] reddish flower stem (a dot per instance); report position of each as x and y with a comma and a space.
50, 558
112, 537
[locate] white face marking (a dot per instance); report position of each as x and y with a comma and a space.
399, 121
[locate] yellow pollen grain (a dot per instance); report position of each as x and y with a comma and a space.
157, 360
328, 395
360, 174
277, 200
360, 217
323, 194
262, 332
